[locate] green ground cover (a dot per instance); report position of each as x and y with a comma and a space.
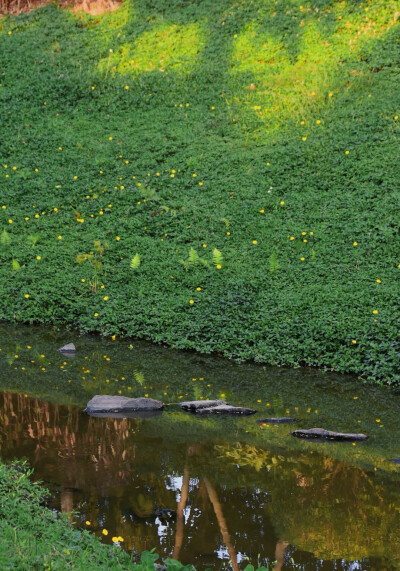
217, 176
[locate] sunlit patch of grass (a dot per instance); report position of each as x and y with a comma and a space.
284, 76
165, 47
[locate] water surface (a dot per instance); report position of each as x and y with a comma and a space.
206, 490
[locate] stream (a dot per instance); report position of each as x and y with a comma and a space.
218, 492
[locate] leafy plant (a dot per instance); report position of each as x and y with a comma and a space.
273, 263
217, 258
135, 262
193, 260
5, 239
33, 239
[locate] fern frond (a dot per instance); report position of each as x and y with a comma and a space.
193, 257
135, 262
139, 377
33, 239
5, 239
150, 194
273, 263
218, 258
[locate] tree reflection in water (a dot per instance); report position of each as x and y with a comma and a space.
214, 497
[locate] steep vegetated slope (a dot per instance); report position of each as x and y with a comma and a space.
220, 176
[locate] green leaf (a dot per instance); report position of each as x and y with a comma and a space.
135, 262
193, 257
33, 239
5, 239
139, 376
15, 265
204, 262
273, 263
147, 559
218, 258
173, 563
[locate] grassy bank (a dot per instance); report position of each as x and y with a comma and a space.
220, 177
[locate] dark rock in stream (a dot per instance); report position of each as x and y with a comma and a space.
322, 434
195, 405
277, 420
214, 407
101, 404
226, 409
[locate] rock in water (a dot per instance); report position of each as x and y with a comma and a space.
277, 420
114, 404
322, 434
129, 414
69, 348
195, 405
225, 409
214, 407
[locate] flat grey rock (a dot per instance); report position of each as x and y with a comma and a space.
195, 405
68, 348
277, 420
225, 409
322, 434
108, 403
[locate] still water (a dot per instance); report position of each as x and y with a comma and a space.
206, 490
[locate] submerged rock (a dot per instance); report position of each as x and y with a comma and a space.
322, 434
226, 409
277, 420
117, 404
195, 405
129, 414
68, 348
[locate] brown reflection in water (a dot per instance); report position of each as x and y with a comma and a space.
180, 521
62, 441
118, 477
280, 554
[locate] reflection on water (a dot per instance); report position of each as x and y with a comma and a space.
206, 496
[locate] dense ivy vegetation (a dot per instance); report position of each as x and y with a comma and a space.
217, 176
